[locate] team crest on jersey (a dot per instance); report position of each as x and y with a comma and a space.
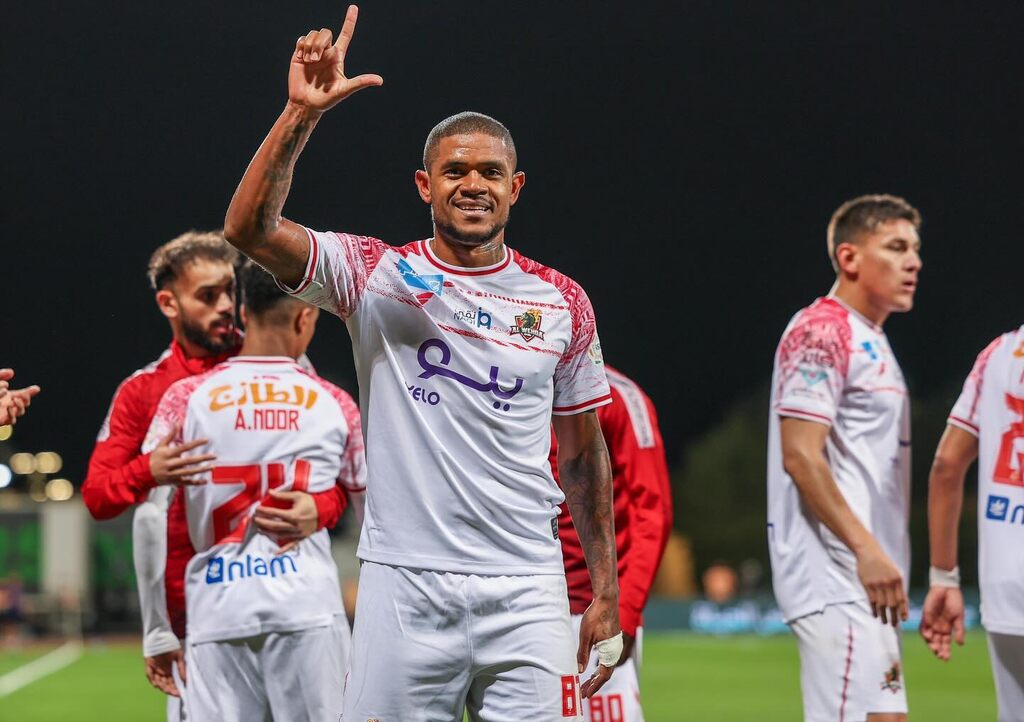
528, 325
892, 679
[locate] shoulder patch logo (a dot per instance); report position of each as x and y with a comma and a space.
528, 324
425, 285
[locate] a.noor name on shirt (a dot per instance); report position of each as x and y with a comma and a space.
218, 571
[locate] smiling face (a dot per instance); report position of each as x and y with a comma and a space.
471, 186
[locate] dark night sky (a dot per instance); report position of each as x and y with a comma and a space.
682, 164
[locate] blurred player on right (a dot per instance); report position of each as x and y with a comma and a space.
643, 521
839, 470
986, 423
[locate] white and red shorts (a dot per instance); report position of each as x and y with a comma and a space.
427, 645
850, 664
619, 698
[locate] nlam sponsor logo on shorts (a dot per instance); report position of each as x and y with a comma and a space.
219, 570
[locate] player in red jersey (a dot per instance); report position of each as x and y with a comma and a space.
194, 282
643, 520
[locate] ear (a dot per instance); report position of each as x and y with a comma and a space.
423, 185
305, 318
848, 258
243, 313
518, 181
167, 303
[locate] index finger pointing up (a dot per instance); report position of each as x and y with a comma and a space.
347, 29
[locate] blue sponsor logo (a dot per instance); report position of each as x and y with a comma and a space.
218, 571
479, 318
433, 283
998, 509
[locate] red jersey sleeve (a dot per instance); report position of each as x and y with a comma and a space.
331, 504
638, 458
118, 475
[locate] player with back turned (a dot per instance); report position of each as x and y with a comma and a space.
987, 424
464, 349
839, 469
267, 634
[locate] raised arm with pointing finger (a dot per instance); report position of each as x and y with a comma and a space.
316, 83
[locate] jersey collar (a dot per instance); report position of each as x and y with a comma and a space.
464, 270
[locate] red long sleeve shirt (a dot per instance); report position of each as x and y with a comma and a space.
642, 503
119, 475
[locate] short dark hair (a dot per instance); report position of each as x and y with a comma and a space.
167, 261
866, 213
261, 295
467, 121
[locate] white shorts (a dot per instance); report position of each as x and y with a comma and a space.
850, 665
1007, 654
427, 645
619, 698
289, 676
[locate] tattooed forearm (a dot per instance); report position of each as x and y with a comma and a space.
276, 178
586, 479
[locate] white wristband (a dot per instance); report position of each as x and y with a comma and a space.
943, 578
609, 650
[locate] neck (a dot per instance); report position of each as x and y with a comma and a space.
855, 297
260, 342
467, 256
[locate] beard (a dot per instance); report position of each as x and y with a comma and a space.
476, 237
199, 336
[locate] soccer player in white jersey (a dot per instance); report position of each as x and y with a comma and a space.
267, 634
839, 469
464, 349
986, 423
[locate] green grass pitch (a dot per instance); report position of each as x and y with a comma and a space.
684, 677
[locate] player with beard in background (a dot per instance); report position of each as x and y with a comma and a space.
193, 279
267, 634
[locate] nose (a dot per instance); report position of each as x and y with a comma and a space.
914, 263
472, 183
225, 303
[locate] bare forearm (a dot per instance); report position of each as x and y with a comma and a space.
821, 495
945, 502
587, 481
254, 223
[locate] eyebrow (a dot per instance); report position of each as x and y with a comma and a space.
485, 163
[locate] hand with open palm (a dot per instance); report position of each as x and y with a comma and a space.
316, 77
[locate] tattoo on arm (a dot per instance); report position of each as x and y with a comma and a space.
587, 482
277, 174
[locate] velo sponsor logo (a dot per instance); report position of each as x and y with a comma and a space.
528, 325
218, 570
479, 318
431, 369
998, 509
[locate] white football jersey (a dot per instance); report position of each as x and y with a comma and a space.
835, 367
272, 425
992, 408
459, 372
